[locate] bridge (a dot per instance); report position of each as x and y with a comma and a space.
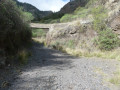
48, 27
56, 26
41, 26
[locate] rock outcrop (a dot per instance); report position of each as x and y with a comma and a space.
115, 25
113, 7
81, 34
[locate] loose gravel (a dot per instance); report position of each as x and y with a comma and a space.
49, 69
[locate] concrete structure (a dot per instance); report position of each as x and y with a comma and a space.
42, 26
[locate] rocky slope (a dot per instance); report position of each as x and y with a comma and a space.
81, 35
113, 7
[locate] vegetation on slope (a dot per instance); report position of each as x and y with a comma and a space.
73, 5
94, 39
33, 10
53, 18
38, 33
14, 30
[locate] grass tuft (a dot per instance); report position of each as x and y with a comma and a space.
115, 79
23, 56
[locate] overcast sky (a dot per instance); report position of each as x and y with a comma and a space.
45, 5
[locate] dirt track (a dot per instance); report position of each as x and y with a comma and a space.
52, 70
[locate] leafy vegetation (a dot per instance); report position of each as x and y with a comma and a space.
107, 40
28, 17
14, 31
80, 12
53, 18
38, 33
37, 14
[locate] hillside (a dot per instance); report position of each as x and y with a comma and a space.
72, 5
89, 30
68, 8
36, 12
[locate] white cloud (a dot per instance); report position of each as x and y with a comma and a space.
54, 5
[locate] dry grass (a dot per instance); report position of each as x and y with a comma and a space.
106, 54
23, 56
82, 50
116, 78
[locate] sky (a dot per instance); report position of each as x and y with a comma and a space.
45, 5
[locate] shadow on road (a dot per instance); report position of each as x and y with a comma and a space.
45, 57
41, 71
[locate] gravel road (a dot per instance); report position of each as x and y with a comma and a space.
52, 70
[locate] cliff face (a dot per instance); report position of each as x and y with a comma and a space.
36, 13
113, 7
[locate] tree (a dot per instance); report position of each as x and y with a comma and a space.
28, 17
14, 30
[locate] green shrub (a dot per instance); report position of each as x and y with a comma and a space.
38, 33
28, 17
107, 40
14, 31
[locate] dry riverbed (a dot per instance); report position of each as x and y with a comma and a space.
49, 69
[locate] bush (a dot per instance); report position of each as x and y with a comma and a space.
38, 33
14, 31
28, 17
107, 40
